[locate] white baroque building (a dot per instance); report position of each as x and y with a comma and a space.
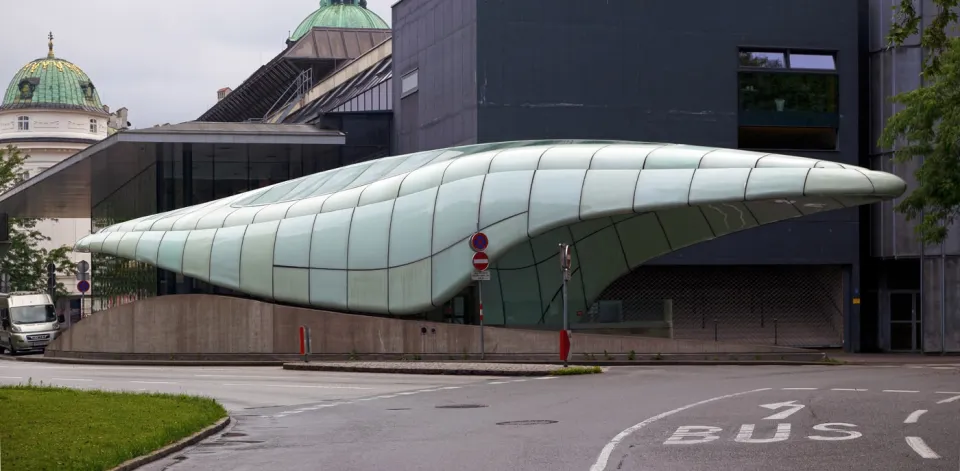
51, 110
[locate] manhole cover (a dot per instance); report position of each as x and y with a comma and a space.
462, 406
528, 422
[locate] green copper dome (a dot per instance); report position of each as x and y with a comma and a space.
52, 82
349, 14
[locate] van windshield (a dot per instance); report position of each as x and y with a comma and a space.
32, 314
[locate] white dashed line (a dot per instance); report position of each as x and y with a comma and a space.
11, 377
70, 379
914, 416
153, 382
447, 388
311, 386
899, 391
853, 390
799, 389
498, 382
921, 448
949, 399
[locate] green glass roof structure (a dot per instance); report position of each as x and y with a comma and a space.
348, 14
52, 82
390, 236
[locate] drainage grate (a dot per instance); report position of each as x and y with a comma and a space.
400, 408
234, 434
462, 406
528, 422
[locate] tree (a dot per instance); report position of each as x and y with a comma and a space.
26, 260
928, 125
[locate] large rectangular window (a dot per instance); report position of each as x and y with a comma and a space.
789, 100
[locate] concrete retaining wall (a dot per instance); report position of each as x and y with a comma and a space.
217, 325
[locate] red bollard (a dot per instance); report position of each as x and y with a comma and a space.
303, 341
564, 345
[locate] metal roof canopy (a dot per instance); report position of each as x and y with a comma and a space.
65, 190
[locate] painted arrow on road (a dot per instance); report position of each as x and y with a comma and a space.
793, 409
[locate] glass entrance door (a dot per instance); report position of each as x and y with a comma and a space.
906, 332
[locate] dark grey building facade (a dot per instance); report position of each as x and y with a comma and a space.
780, 77
913, 289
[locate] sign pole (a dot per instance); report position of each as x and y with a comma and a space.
483, 349
565, 262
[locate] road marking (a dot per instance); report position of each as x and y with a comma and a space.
746, 434
240, 376
451, 387
949, 399
943, 367
604, 457
153, 382
845, 389
914, 416
921, 448
704, 434
827, 428
899, 391
70, 379
546, 377
498, 382
793, 409
11, 377
294, 386
799, 389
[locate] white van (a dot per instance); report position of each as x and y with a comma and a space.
28, 322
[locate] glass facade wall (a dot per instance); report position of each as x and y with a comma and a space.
185, 174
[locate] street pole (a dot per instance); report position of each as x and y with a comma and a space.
483, 349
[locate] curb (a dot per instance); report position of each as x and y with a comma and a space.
415, 371
168, 450
84, 361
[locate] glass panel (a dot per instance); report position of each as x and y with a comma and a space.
901, 306
901, 336
918, 336
813, 61
769, 60
230, 170
764, 91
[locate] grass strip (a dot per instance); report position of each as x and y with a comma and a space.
44, 428
576, 370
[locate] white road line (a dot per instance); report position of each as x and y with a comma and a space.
899, 391
70, 379
451, 387
604, 457
408, 393
11, 377
921, 448
312, 386
943, 367
498, 382
949, 399
546, 377
914, 416
845, 389
241, 376
153, 382
799, 389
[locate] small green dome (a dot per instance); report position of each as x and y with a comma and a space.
52, 82
348, 14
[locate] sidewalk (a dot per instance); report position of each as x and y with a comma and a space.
893, 359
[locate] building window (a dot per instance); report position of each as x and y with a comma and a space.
93, 126
789, 100
23, 123
410, 83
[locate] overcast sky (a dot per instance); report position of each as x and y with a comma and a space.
164, 60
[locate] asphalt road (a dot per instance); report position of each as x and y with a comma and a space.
632, 418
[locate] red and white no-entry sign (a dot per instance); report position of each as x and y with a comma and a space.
480, 261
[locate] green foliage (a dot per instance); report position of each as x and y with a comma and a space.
26, 260
928, 125
576, 370
53, 428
